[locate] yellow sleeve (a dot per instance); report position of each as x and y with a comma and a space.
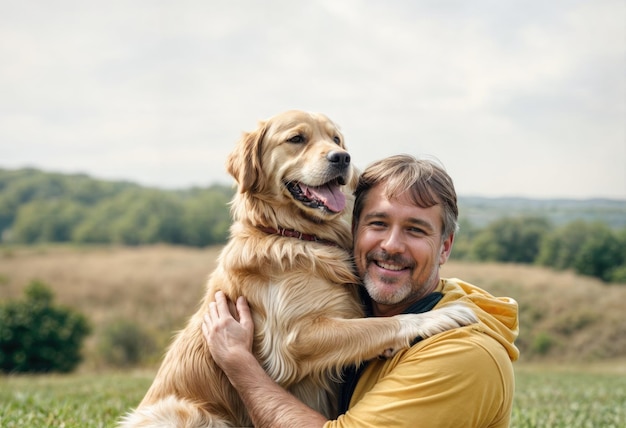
460, 378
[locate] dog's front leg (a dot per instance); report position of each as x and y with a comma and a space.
335, 343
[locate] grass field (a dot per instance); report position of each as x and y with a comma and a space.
570, 384
545, 397
569, 398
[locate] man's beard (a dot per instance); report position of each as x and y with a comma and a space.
400, 293
404, 291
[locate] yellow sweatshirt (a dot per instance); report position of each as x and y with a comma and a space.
460, 378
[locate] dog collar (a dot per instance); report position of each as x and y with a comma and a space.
290, 233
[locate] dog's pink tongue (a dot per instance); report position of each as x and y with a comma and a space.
330, 196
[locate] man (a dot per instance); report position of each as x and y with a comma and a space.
404, 221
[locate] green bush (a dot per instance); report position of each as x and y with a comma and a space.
542, 343
123, 343
36, 336
618, 275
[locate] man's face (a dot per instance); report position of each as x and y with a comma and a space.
398, 249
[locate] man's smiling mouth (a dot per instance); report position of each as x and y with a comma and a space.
389, 266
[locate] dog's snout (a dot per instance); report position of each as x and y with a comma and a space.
338, 157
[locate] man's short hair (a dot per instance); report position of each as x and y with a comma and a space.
427, 182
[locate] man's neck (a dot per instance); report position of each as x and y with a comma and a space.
382, 310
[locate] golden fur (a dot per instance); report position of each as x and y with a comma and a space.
308, 322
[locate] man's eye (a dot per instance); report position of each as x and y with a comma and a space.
377, 223
296, 139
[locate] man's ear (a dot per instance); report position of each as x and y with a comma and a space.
446, 249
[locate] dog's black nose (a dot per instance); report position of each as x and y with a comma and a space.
341, 158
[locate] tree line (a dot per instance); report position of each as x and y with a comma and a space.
589, 248
37, 207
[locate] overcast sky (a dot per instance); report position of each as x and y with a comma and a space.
515, 98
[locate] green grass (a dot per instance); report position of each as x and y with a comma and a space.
569, 399
68, 401
544, 398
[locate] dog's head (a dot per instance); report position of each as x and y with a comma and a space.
295, 158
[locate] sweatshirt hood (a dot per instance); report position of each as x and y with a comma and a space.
498, 315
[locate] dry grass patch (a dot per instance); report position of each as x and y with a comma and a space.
158, 287
563, 317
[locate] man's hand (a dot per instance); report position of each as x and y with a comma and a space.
268, 404
230, 340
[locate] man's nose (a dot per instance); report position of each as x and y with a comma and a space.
393, 242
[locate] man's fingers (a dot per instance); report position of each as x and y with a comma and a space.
222, 304
220, 311
245, 318
223, 331
213, 313
206, 325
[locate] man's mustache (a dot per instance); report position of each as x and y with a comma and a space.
385, 257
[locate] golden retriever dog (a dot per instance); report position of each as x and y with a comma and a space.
289, 255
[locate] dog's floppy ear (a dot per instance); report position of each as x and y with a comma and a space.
244, 163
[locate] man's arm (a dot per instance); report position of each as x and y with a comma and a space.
268, 404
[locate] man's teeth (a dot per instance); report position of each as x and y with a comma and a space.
390, 267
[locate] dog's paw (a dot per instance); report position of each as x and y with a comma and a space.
439, 320
387, 353
459, 314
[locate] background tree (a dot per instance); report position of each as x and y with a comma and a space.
591, 249
561, 246
47, 221
46, 207
463, 240
511, 240
600, 254
206, 218
618, 274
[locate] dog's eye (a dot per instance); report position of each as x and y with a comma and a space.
336, 139
296, 139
